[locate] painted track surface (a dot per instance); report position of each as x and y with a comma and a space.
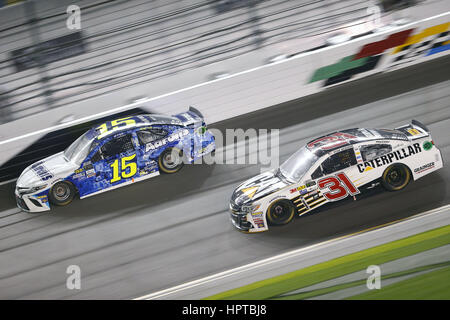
173, 229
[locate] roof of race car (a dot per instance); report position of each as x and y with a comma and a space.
338, 139
109, 127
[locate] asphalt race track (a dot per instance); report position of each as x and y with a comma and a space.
175, 228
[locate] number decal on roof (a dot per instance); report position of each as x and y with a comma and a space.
107, 127
332, 141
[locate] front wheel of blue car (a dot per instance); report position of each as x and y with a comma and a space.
170, 160
62, 193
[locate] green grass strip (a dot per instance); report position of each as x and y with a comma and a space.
338, 287
276, 286
434, 285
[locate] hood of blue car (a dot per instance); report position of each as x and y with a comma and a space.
46, 171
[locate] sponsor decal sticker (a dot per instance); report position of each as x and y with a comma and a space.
259, 222
90, 173
250, 192
425, 167
42, 171
310, 184
173, 137
413, 131
42, 198
78, 175
257, 214
300, 189
389, 158
427, 145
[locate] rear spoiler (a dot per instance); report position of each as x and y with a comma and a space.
415, 130
420, 125
191, 117
198, 113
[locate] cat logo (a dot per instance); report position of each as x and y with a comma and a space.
250, 192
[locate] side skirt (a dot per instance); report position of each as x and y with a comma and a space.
154, 174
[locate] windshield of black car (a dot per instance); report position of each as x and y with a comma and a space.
79, 149
298, 164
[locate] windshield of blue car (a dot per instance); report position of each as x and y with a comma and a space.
79, 149
298, 164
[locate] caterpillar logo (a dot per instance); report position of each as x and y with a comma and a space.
389, 158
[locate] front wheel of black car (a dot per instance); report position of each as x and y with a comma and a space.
170, 160
62, 193
396, 177
280, 212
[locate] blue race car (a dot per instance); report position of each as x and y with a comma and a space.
112, 155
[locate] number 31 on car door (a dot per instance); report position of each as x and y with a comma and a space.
338, 186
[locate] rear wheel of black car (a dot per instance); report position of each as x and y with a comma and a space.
62, 193
396, 177
280, 212
171, 160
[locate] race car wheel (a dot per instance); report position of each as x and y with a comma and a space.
280, 212
171, 160
62, 193
396, 177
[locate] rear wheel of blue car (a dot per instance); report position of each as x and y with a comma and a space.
62, 193
171, 160
280, 212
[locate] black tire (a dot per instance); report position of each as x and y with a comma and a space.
396, 177
280, 212
62, 193
167, 163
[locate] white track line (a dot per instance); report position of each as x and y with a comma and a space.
280, 257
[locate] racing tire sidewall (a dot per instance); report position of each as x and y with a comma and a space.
280, 212
177, 167
66, 198
396, 177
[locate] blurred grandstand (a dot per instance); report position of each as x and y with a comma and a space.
122, 43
